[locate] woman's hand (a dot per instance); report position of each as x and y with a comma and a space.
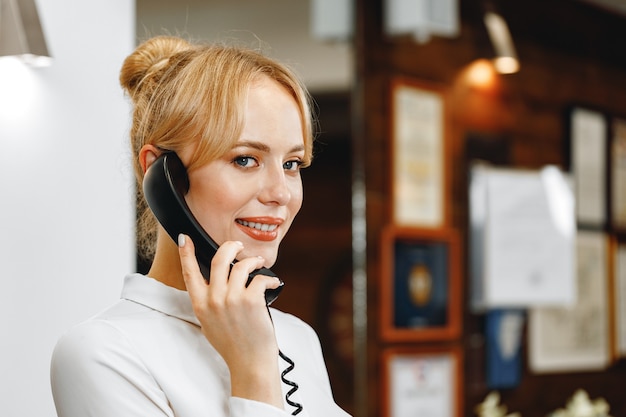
235, 320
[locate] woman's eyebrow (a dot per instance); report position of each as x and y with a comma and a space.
253, 144
297, 148
264, 147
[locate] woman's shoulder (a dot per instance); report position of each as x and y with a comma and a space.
96, 337
90, 338
100, 355
287, 319
293, 326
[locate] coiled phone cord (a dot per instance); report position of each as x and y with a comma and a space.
293, 385
283, 377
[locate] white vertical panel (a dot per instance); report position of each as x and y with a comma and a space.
66, 223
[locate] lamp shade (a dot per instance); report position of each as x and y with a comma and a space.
21, 33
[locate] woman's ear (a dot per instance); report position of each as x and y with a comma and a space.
147, 155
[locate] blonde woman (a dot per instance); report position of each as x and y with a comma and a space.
175, 345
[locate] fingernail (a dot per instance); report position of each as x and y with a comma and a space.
181, 240
239, 243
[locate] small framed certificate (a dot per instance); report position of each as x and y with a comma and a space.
418, 154
588, 163
619, 282
576, 338
420, 288
618, 174
422, 382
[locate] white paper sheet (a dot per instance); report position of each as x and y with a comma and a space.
523, 230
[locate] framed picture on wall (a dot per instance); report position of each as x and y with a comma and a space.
421, 287
619, 285
418, 154
588, 164
577, 337
422, 382
618, 174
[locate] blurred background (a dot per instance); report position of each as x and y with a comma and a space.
67, 224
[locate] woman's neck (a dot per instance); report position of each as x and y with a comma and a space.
166, 266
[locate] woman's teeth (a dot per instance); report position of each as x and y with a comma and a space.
264, 227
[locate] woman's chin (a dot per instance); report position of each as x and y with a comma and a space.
269, 255
270, 259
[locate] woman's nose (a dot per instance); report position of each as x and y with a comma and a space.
275, 187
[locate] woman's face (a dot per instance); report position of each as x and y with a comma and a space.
253, 192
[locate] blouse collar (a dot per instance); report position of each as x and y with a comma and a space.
153, 294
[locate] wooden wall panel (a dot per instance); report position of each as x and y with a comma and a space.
567, 57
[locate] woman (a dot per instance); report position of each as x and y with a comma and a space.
175, 345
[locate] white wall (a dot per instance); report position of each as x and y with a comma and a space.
66, 212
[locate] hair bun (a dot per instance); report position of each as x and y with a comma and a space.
149, 57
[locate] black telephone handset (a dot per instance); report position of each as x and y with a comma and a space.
164, 186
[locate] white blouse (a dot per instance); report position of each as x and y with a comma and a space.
145, 356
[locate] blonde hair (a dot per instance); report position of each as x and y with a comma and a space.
186, 93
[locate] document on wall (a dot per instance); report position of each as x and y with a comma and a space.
576, 338
588, 160
523, 238
620, 297
423, 386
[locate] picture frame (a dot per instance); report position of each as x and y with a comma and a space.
421, 285
425, 381
588, 131
419, 148
577, 338
618, 249
617, 163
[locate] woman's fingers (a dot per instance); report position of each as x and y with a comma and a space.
227, 280
260, 283
188, 261
222, 260
233, 317
194, 281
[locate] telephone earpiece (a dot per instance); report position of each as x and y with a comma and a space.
165, 185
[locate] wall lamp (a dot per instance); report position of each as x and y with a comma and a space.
21, 34
505, 61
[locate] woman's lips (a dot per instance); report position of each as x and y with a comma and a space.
264, 229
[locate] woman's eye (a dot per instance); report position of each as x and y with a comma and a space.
245, 161
292, 165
